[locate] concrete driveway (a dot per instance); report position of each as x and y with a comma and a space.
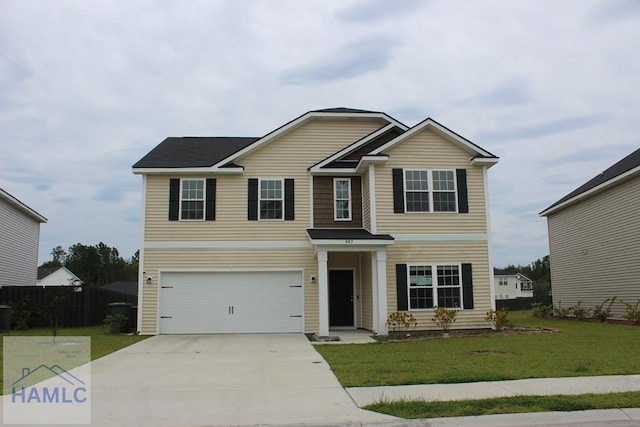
205, 380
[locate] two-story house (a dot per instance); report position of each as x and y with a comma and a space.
334, 219
511, 285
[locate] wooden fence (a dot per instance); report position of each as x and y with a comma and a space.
34, 306
521, 304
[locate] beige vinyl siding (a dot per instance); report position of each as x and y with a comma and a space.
19, 240
287, 157
475, 253
228, 260
595, 249
427, 150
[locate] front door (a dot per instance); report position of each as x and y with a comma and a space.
341, 298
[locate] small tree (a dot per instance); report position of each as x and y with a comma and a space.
444, 318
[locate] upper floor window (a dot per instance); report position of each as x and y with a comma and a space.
342, 199
502, 281
271, 199
430, 190
192, 199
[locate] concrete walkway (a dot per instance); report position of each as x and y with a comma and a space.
530, 387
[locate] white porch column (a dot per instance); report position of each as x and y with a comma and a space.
381, 290
374, 291
323, 293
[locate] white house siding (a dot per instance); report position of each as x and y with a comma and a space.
475, 253
19, 240
595, 248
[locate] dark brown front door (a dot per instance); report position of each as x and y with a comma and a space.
340, 298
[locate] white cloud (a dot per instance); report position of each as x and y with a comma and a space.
87, 88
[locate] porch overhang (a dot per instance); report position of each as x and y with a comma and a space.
348, 239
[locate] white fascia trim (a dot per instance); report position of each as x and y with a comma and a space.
336, 172
357, 145
21, 206
471, 237
589, 193
367, 161
141, 271
442, 131
188, 171
294, 124
484, 161
347, 243
230, 244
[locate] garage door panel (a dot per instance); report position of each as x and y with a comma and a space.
231, 302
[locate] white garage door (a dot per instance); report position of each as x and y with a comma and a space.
264, 301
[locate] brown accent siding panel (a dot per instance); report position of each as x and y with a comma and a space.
378, 142
323, 203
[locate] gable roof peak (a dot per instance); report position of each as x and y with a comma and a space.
345, 110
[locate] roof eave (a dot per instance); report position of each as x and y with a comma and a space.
21, 206
484, 161
189, 171
595, 190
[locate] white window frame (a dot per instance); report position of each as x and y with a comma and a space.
503, 281
434, 284
260, 199
203, 199
335, 199
430, 190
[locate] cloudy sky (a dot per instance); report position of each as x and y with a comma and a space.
88, 87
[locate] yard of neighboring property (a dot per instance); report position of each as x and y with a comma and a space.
102, 342
575, 349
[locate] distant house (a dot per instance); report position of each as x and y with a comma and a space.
57, 276
129, 288
594, 238
511, 285
19, 241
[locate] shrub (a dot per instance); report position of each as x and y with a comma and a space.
632, 311
541, 310
562, 312
579, 311
498, 318
444, 318
602, 311
115, 322
397, 321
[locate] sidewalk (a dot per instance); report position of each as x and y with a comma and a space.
529, 387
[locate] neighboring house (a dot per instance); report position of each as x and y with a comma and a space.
129, 288
594, 238
511, 285
332, 220
19, 241
57, 276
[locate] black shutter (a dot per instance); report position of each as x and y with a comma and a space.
211, 200
401, 287
463, 199
467, 286
398, 191
289, 204
174, 199
252, 198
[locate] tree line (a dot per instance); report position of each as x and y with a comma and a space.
539, 271
95, 265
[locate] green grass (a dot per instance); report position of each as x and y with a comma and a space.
506, 405
102, 343
579, 349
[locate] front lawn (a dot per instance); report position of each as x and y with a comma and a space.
579, 349
506, 405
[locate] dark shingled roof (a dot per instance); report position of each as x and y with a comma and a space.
345, 233
192, 151
130, 288
344, 110
630, 162
46, 271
